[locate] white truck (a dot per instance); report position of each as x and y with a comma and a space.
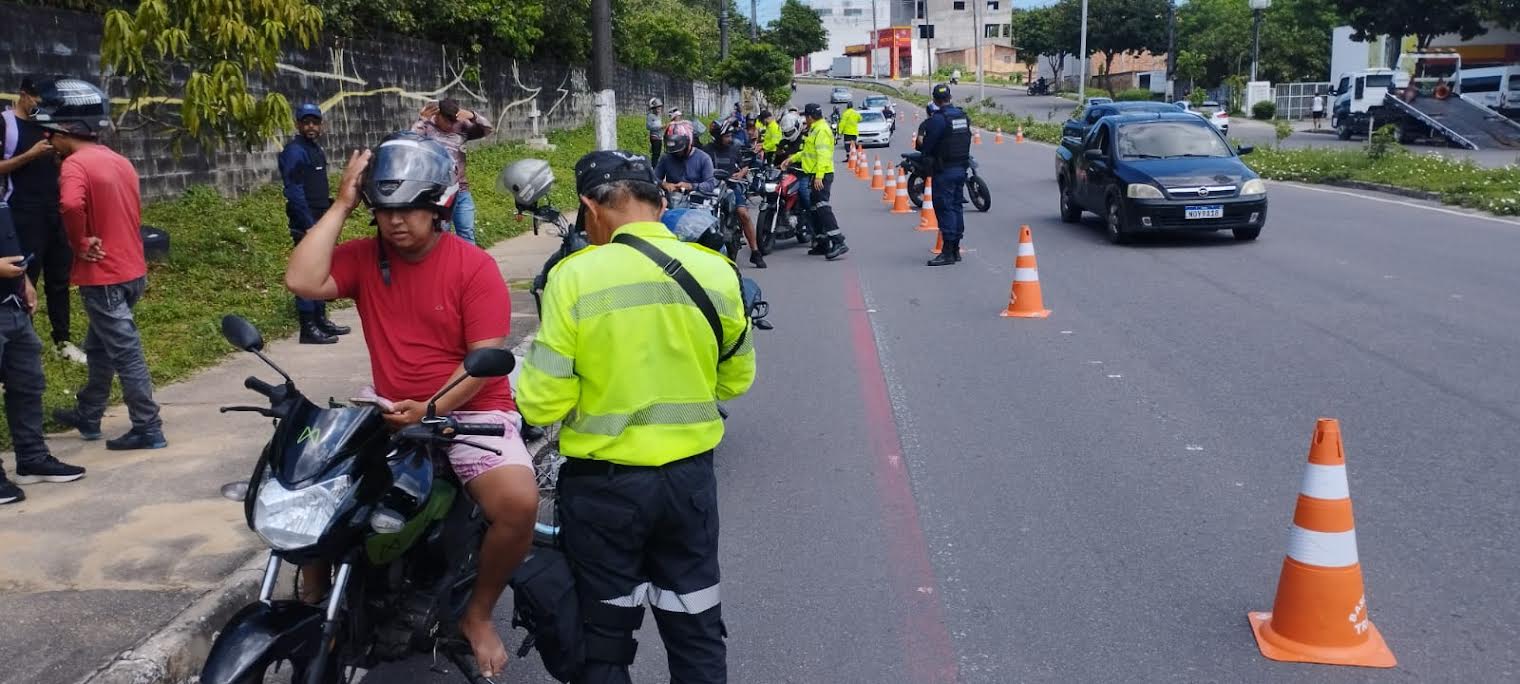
849, 67
1422, 100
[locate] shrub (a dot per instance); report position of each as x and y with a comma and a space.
1134, 95
1382, 142
1283, 129
1264, 110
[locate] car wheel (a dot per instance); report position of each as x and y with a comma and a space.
1070, 212
1113, 222
1247, 234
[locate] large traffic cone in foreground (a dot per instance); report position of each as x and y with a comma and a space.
998, 139
889, 190
1024, 298
877, 181
1018, 137
926, 218
863, 166
1320, 614
900, 200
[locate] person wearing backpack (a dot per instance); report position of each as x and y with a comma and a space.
636, 372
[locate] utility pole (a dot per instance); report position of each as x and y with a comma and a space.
754, 22
1082, 60
722, 29
976, 43
875, 45
602, 74
1171, 51
1257, 7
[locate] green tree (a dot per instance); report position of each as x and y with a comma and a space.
1420, 18
1191, 66
1032, 37
798, 32
1115, 27
497, 26
760, 66
223, 43
1293, 43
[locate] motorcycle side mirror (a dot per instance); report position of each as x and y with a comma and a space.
241, 333
489, 363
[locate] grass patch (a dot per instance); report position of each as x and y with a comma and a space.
1458, 182
229, 256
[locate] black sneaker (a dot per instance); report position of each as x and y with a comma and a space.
51, 470
134, 440
839, 250
10, 493
88, 431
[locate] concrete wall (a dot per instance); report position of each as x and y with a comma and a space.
368, 90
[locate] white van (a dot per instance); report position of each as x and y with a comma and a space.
1494, 87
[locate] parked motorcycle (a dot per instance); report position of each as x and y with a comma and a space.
782, 215
919, 167
335, 486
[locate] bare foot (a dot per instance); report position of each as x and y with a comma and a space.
490, 653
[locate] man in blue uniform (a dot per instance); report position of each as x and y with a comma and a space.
947, 144
303, 170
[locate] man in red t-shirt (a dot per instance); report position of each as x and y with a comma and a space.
425, 299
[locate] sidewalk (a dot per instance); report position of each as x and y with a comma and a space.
93, 568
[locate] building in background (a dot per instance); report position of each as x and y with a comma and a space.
957, 25
849, 22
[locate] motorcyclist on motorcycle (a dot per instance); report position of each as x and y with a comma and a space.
427, 298
683, 167
728, 156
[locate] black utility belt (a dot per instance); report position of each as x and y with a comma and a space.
590, 466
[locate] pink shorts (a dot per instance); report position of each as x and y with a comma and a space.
469, 462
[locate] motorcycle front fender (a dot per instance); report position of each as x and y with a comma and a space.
260, 635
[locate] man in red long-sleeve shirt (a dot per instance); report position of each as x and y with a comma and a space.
101, 210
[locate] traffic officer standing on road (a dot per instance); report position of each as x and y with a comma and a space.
303, 170
947, 143
849, 126
636, 371
818, 163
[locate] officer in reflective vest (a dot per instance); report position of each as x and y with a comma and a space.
818, 163
947, 142
629, 361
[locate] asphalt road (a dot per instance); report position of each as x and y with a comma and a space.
918, 490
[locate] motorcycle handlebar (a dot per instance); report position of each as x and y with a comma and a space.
259, 386
481, 429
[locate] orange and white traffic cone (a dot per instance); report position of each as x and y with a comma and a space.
998, 139
889, 192
849, 158
1320, 614
900, 200
1024, 298
976, 137
926, 219
877, 181
1018, 137
862, 165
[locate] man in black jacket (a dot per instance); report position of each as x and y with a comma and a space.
729, 156
303, 170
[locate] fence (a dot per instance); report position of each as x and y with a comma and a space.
1296, 100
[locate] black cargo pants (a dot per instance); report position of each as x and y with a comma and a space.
646, 535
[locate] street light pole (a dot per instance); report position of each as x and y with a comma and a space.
1171, 51
602, 74
754, 22
875, 45
723, 29
976, 41
1082, 60
1257, 7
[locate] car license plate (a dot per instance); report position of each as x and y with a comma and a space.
1209, 212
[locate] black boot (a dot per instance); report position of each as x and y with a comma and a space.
949, 254
756, 259
312, 332
328, 326
837, 249
820, 246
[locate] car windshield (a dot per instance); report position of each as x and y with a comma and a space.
1170, 140
871, 116
876, 102
841, 91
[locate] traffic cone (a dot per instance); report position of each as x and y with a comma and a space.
976, 137
1320, 614
849, 158
1018, 136
900, 200
862, 166
998, 139
1024, 298
926, 218
877, 181
889, 192
939, 243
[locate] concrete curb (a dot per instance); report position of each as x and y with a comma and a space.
1387, 189
174, 653
854, 81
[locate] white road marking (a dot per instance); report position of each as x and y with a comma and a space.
1115, 375
1389, 200
1066, 332
1194, 447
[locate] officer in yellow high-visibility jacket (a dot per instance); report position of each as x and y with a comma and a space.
632, 365
817, 159
849, 126
770, 134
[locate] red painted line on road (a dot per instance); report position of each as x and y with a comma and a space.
926, 637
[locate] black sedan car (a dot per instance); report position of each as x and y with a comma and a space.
1153, 172
1078, 125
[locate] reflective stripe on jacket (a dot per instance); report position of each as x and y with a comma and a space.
625, 358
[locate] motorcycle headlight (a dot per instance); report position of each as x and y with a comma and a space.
1255, 186
771, 187
1143, 191
291, 519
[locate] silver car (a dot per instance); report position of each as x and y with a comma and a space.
840, 96
875, 129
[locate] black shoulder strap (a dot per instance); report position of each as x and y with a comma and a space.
673, 268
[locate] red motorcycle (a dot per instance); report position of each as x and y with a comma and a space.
781, 212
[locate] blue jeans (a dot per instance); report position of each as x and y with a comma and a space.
464, 216
950, 202
115, 349
21, 373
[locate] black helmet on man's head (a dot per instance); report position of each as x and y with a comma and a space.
409, 171
72, 107
941, 92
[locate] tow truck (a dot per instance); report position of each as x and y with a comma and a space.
1422, 100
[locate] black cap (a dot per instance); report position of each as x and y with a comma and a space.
941, 92
29, 87
813, 110
610, 166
